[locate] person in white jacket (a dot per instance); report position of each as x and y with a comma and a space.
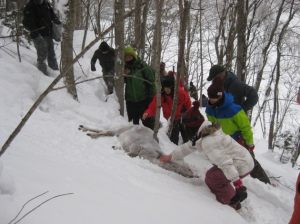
230, 160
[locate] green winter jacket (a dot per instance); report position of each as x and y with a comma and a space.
232, 119
137, 89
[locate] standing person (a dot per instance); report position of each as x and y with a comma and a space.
38, 18
244, 95
230, 160
106, 56
184, 103
191, 121
193, 91
140, 87
234, 122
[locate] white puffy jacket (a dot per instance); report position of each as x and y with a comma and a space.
221, 150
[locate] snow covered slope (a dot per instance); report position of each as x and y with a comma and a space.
50, 155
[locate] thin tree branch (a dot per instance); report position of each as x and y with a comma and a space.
25, 205
39, 205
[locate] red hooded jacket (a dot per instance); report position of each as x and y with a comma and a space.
184, 103
296, 214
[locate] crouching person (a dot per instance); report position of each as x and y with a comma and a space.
230, 160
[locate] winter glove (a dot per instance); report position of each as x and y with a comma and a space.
250, 148
165, 158
93, 68
238, 184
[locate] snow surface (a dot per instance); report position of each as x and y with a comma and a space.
50, 157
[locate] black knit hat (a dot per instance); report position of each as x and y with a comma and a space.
215, 70
104, 46
216, 89
168, 81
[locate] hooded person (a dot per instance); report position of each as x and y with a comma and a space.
139, 87
234, 122
167, 94
230, 161
191, 120
38, 19
244, 95
106, 56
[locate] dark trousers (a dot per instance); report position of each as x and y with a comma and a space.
45, 50
135, 111
108, 77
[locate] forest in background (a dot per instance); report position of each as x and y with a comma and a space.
258, 40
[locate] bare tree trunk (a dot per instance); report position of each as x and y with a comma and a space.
275, 110
267, 46
78, 14
119, 62
229, 49
190, 40
156, 55
129, 35
201, 52
98, 14
18, 29
184, 15
222, 18
86, 23
137, 25
241, 25
67, 51
275, 102
143, 30
183, 12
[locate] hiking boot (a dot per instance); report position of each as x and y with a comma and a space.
43, 68
235, 202
235, 206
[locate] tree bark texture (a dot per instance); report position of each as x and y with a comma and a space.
156, 55
241, 26
67, 51
119, 62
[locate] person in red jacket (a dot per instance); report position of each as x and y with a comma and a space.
296, 214
184, 103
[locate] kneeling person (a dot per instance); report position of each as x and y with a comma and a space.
230, 160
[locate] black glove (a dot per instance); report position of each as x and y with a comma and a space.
241, 193
93, 68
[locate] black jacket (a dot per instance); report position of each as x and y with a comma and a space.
38, 19
243, 94
106, 60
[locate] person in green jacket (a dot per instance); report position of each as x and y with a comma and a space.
140, 87
234, 122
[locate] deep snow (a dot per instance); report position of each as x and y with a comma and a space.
50, 154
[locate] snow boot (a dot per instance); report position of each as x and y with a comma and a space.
241, 193
235, 202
